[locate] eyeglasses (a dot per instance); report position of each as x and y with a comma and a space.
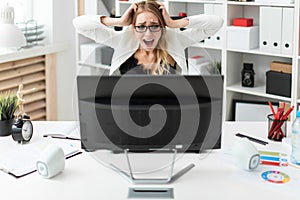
152, 28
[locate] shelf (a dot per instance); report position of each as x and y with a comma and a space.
130, 2
33, 52
202, 45
196, 1
260, 4
126, 2
258, 90
258, 52
101, 66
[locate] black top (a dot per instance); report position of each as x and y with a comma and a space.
131, 66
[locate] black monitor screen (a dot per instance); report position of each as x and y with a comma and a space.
145, 113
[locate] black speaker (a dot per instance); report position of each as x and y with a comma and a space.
248, 75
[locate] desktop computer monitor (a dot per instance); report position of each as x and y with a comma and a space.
147, 113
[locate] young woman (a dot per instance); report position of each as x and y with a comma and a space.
152, 43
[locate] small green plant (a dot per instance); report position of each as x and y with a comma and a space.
215, 67
8, 105
219, 66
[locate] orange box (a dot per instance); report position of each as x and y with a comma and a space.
281, 67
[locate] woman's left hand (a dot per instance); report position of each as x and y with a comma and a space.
167, 18
181, 23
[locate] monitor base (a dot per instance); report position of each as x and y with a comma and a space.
171, 178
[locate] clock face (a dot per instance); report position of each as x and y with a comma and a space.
27, 130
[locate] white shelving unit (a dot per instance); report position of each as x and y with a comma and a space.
92, 7
233, 59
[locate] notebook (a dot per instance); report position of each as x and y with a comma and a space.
22, 160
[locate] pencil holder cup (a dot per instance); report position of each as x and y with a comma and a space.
276, 128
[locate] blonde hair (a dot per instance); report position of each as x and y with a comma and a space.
161, 65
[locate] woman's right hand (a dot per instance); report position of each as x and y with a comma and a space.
126, 18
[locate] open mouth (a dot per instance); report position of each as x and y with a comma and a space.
148, 42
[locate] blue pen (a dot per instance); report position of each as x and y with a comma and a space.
276, 159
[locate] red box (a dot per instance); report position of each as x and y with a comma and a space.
246, 22
182, 14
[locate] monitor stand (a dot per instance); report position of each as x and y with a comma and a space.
167, 180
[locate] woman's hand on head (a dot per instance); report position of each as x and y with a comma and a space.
126, 18
166, 16
181, 23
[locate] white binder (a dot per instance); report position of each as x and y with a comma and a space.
287, 31
218, 36
270, 29
209, 10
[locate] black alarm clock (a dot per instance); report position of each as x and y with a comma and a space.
22, 129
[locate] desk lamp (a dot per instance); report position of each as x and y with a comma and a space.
11, 37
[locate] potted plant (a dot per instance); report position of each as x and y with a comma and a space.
215, 67
8, 106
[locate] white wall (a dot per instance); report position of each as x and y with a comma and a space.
63, 31
57, 15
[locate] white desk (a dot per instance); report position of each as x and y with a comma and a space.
214, 177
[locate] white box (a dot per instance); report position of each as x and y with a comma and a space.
90, 53
196, 59
244, 38
199, 69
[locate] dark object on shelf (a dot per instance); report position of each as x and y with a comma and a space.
278, 83
256, 110
248, 75
106, 55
